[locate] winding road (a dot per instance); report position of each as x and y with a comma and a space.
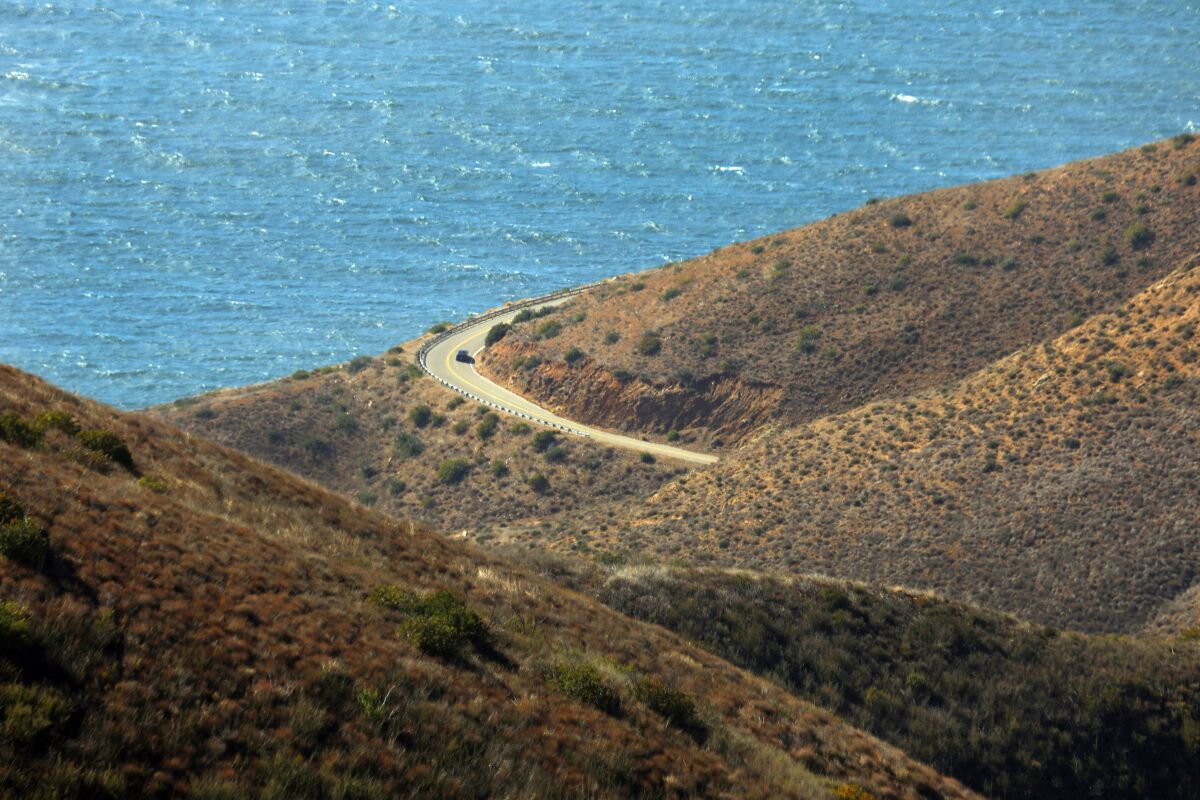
438, 361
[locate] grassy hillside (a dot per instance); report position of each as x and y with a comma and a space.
892, 298
178, 619
1013, 710
380, 430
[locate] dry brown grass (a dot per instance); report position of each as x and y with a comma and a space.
214, 636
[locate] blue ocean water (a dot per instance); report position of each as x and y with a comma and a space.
204, 194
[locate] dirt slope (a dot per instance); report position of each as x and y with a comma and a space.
201, 625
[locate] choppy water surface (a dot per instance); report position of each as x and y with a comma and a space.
211, 194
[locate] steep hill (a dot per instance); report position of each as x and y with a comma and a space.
179, 619
1059, 483
895, 297
380, 430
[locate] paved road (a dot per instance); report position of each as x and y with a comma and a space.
463, 378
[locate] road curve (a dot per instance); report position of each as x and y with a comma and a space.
438, 361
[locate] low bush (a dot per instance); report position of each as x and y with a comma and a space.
25, 542
441, 624
407, 445
1138, 236
420, 415
612, 337
58, 420
487, 426
15, 635
10, 509
1109, 255
538, 482
809, 335
15, 430
650, 344
496, 333
28, 714
549, 329
358, 364
670, 294
542, 440
153, 483
520, 429
499, 469
573, 355
395, 487
555, 454
646, 458
109, 444
1015, 209
453, 470
440, 327
316, 448
900, 220
673, 705
581, 681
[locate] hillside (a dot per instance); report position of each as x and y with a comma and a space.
179, 619
1058, 483
892, 298
379, 430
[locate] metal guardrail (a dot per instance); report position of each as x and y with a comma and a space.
423, 351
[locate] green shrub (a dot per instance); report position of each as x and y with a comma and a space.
650, 344
29, 713
538, 482
673, 435
393, 596
316, 448
673, 705
15, 430
420, 415
499, 469
108, 443
453, 470
395, 486
1009, 264
1098, 215
555, 454
440, 327
542, 440
670, 294
1138, 236
549, 329
1015, 210
487, 426
407, 445
300, 374
153, 483
10, 509
646, 458
14, 628
809, 335
573, 355
1183, 140
367, 499
59, 420
358, 364
1110, 196
460, 427
900, 220
1109, 255
455, 402
496, 333
966, 260
442, 625
612, 337
520, 429
581, 681
24, 541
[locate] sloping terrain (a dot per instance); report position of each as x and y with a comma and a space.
179, 619
379, 430
1060, 483
894, 297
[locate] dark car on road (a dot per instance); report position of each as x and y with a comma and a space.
464, 357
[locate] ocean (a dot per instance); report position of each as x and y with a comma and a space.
208, 194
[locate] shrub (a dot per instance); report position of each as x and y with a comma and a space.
520, 429
707, 345
538, 482
486, 428
555, 454
673, 705
499, 469
612, 337
543, 439
452, 470
1014, 210
59, 420
395, 486
1183, 140
549, 329
14, 628
1009, 264
650, 344
581, 681
153, 483
673, 435
15, 430
573, 355
1110, 196
1098, 215
407, 445
108, 443
10, 509
851, 791
647, 458
670, 294
809, 335
966, 260
441, 624
496, 333
420, 415
29, 713
1139, 236
300, 374
358, 364
316, 448
367, 499
25, 542
1109, 255
460, 427
440, 327
900, 220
